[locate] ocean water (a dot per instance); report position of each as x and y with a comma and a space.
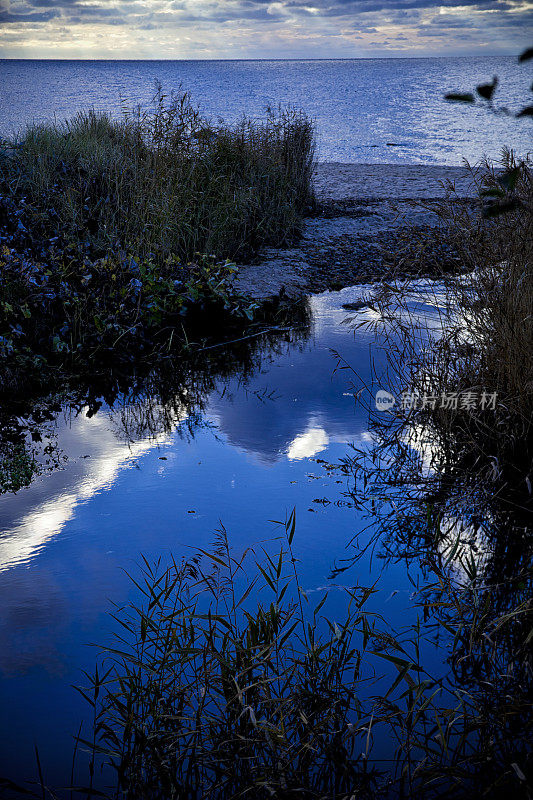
366, 110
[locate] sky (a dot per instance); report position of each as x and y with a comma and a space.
207, 29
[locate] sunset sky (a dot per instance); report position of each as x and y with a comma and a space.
262, 28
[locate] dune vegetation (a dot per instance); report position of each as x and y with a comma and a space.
225, 681
233, 683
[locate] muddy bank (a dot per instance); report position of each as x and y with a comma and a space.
368, 221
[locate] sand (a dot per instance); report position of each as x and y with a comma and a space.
362, 206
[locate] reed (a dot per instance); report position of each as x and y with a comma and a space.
120, 231
159, 182
226, 682
448, 486
212, 691
482, 341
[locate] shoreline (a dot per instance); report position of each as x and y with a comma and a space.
364, 210
340, 182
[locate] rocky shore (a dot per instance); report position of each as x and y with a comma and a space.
371, 220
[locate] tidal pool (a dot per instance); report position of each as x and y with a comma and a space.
153, 477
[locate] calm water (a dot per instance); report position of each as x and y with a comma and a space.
155, 478
367, 110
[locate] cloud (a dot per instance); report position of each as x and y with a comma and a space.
261, 28
353, 7
6, 17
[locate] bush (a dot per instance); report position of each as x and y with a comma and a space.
115, 231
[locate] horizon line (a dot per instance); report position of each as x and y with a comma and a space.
267, 58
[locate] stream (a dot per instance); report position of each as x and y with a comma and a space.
157, 473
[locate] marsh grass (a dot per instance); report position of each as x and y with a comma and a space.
477, 339
225, 683
159, 182
117, 233
223, 680
449, 487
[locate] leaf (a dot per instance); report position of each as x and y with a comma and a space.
5, 783
402, 673
486, 90
526, 55
267, 578
520, 775
398, 662
494, 192
291, 525
460, 97
247, 592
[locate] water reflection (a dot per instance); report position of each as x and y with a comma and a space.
279, 401
102, 430
240, 437
104, 457
314, 404
308, 444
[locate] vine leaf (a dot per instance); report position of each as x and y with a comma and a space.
526, 55
460, 97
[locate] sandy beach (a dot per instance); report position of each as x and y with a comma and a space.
363, 209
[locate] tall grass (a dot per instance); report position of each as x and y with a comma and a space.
161, 182
120, 230
210, 693
482, 342
449, 486
224, 681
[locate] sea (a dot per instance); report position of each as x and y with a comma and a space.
366, 110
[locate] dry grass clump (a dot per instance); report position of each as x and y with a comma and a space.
481, 343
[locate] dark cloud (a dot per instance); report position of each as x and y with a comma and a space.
259, 9
7, 18
347, 7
